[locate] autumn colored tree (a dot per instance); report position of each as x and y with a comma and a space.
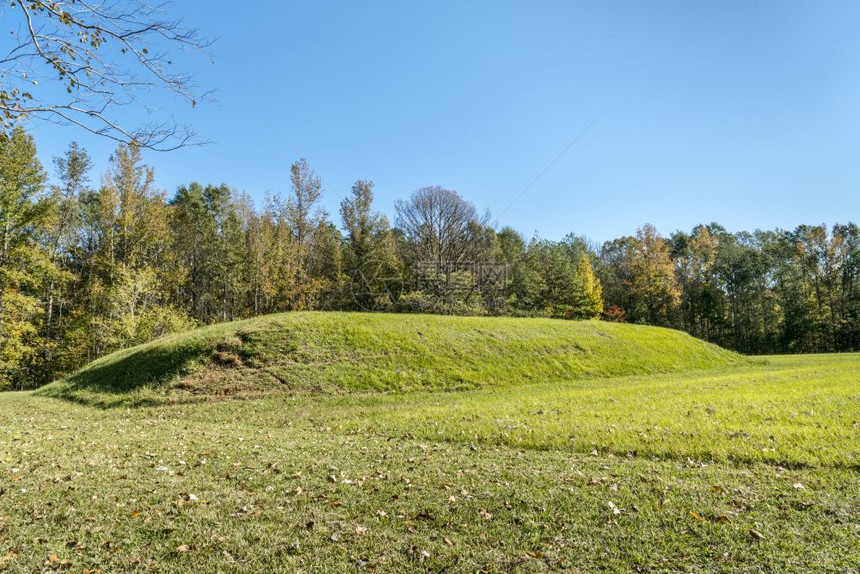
62, 236
133, 273
24, 263
587, 292
652, 278
84, 271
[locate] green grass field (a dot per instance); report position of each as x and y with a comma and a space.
414, 443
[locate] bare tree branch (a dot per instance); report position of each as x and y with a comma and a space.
102, 55
439, 225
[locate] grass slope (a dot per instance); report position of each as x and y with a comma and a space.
574, 447
332, 352
749, 468
796, 411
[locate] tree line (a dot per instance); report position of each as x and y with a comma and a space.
87, 269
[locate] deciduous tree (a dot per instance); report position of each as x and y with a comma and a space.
78, 63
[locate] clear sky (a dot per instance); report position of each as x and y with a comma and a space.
746, 113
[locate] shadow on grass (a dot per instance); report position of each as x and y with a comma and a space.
124, 380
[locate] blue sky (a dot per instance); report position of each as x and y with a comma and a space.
745, 113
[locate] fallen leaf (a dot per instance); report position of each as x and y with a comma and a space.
756, 534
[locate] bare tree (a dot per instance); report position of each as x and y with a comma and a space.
77, 61
439, 225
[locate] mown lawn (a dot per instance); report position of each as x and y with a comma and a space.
743, 468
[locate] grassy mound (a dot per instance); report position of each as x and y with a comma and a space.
336, 352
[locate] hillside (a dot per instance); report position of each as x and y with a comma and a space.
583, 446
339, 352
